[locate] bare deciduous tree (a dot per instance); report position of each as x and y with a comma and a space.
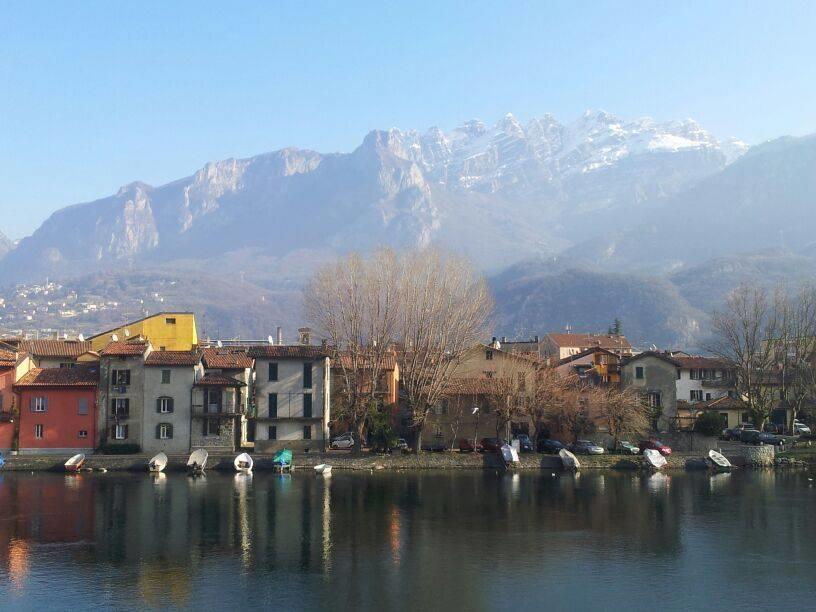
444, 310
743, 330
548, 391
623, 411
571, 412
354, 304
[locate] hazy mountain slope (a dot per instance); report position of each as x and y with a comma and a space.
498, 194
652, 310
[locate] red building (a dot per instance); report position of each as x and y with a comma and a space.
58, 409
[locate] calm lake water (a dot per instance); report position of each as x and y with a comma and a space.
465, 540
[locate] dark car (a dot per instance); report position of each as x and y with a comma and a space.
772, 428
655, 445
490, 444
770, 438
750, 436
525, 443
466, 446
548, 445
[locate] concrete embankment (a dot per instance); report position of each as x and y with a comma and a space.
398, 461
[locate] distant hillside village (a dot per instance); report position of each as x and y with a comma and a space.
153, 385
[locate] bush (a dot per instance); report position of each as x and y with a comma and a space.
121, 449
708, 424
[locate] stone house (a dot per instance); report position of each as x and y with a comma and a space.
121, 393
291, 393
654, 375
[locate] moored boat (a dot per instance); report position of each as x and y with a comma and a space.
243, 462
718, 461
323, 468
282, 459
568, 460
157, 463
653, 460
198, 460
507, 453
75, 463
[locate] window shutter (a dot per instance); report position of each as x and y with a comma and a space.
113, 407
170, 431
205, 425
31, 403
113, 377
158, 431
170, 405
127, 377
113, 432
126, 432
158, 407
127, 406
45, 403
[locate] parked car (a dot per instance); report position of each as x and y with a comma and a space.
487, 445
525, 443
343, 441
401, 444
548, 445
655, 445
627, 448
585, 447
750, 436
772, 428
771, 438
800, 429
466, 446
735, 432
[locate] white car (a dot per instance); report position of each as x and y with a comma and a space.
343, 441
800, 429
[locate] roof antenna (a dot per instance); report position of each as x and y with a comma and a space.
114, 337
81, 337
219, 344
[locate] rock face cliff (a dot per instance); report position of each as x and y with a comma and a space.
499, 194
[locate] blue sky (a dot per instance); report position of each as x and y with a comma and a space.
94, 95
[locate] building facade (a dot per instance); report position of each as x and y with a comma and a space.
654, 376
121, 393
58, 410
291, 396
166, 331
560, 346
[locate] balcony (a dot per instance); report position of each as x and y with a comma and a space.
718, 383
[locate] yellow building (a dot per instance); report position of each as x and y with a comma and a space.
166, 331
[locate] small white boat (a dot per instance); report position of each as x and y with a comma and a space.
718, 461
568, 460
198, 460
507, 454
157, 463
514, 454
653, 460
323, 468
243, 463
75, 463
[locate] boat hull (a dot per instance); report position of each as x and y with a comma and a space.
243, 463
568, 460
718, 462
653, 460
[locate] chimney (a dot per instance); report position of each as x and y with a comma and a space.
280, 335
536, 339
504, 339
304, 335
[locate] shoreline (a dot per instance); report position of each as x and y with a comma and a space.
394, 462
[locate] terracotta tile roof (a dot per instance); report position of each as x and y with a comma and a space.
7, 359
173, 358
79, 376
584, 341
213, 379
57, 348
287, 351
471, 386
226, 358
702, 363
124, 349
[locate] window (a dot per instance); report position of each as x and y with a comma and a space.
273, 432
82, 407
488, 374
273, 405
164, 431
120, 407
162, 349
489, 355
120, 432
307, 432
708, 396
165, 377
38, 432
120, 378
307, 405
212, 427
39, 404
83, 433
273, 371
696, 395
170, 321
693, 374
164, 405
68, 364
639, 372
307, 375
654, 399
